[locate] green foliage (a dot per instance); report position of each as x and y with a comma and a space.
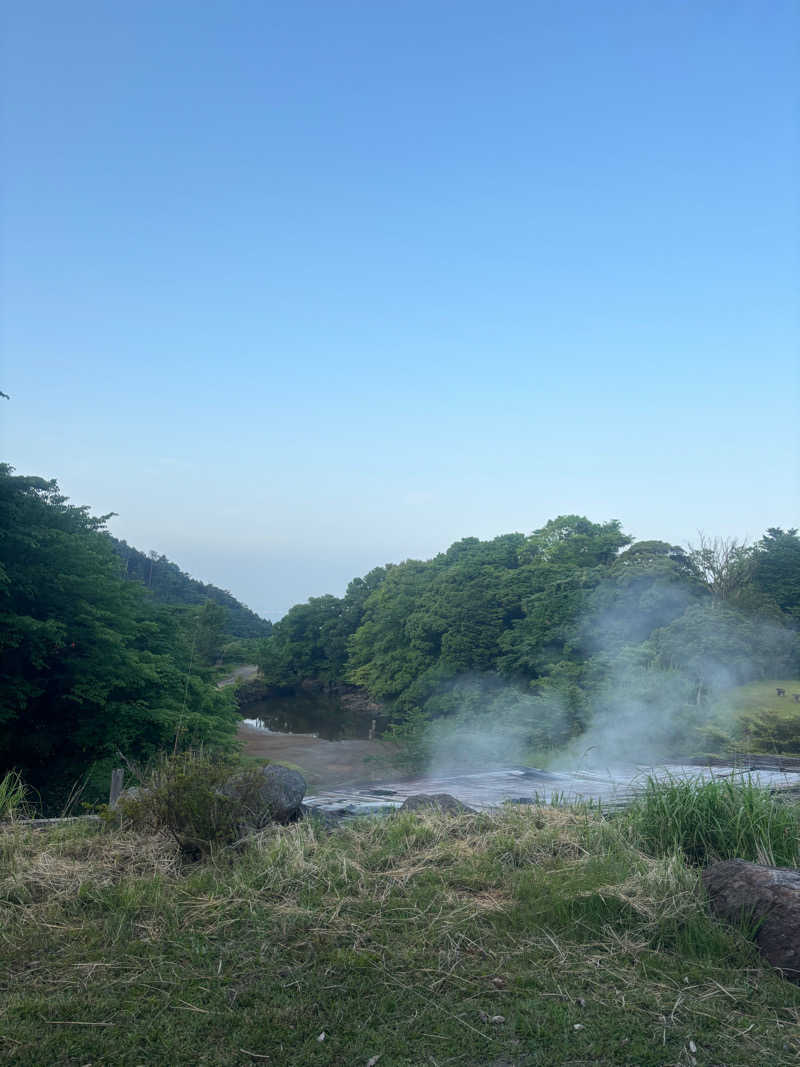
573, 541
754, 718
400, 938
718, 646
14, 795
185, 795
311, 640
239, 651
168, 584
646, 588
575, 609
481, 721
718, 819
88, 664
776, 569
210, 626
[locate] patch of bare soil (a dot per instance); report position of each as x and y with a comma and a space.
325, 764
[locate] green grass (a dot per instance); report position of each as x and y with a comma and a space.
705, 820
399, 937
14, 797
753, 718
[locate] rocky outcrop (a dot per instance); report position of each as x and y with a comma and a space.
767, 897
438, 801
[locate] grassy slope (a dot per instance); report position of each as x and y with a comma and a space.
398, 937
754, 718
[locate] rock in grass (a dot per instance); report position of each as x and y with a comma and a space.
441, 801
769, 897
275, 794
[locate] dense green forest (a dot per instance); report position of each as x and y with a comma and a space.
555, 628
170, 585
538, 638
91, 664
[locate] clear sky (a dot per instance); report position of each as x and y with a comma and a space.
300, 288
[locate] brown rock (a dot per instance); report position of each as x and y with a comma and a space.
767, 896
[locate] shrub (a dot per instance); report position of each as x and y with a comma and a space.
185, 795
706, 820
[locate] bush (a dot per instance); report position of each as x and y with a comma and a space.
185, 795
707, 820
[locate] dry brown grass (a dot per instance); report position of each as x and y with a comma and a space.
47, 866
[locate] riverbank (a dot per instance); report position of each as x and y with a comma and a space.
341, 775
325, 764
528, 937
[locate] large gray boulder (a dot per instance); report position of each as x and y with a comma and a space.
273, 794
438, 801
769, 897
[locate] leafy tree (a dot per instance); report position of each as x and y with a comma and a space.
561, 564
170, 585
776, 569
382, 656
574, 541
87, 665
310, 642
720, 647
646, 588
210, 626
574, 614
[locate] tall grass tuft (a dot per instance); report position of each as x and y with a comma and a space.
707, 820
13, 796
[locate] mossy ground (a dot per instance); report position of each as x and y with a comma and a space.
538, 936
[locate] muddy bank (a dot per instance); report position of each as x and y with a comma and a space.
325, 764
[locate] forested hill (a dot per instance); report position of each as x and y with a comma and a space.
575, 609
170, 585
93, 669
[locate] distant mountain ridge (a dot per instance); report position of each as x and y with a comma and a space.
169, 584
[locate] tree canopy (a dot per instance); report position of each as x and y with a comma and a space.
572, 609
170, 585
90, 665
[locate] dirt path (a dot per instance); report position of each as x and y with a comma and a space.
239, 674
325, 764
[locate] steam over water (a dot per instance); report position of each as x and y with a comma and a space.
488, 789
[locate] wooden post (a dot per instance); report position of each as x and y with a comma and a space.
116, 787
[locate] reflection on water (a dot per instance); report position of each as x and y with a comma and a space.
316, 714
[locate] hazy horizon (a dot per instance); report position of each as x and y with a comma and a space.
301, 291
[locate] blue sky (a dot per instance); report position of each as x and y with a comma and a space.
300, 289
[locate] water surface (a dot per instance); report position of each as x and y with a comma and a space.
316, 714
